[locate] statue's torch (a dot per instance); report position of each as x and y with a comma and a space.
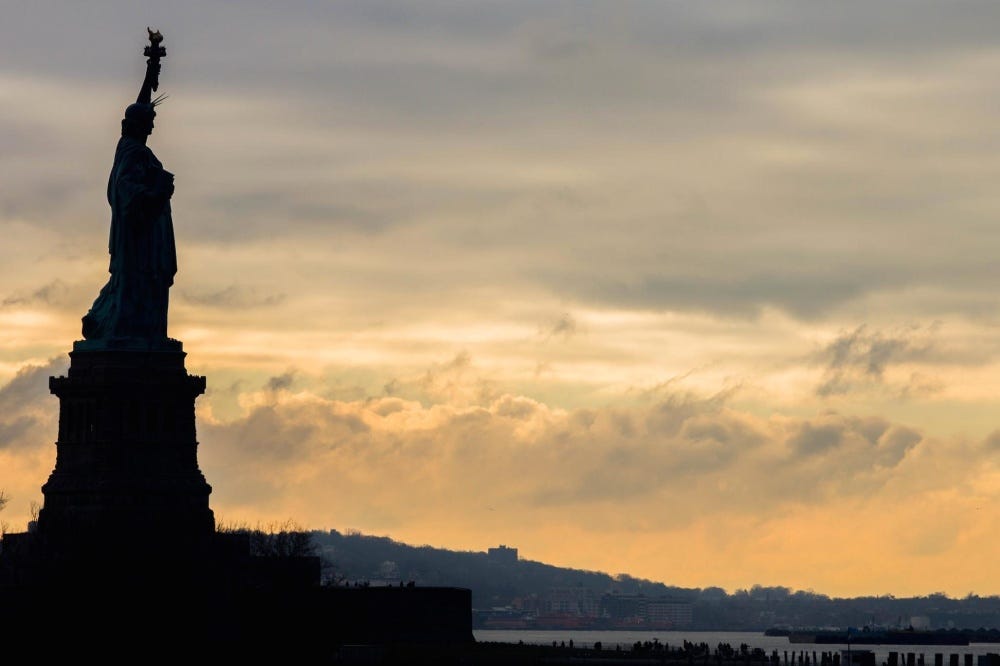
154, 51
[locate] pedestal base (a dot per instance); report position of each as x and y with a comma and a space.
126, 479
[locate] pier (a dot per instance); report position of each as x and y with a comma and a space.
654, 652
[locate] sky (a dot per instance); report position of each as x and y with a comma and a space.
702, 292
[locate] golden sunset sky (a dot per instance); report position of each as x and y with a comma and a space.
704, 292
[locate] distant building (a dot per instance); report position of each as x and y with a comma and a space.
502, 554
529, 603
640, 610
571, 601
624, 606
668, 612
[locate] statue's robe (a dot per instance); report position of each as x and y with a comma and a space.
133, 304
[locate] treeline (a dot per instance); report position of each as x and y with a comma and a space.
357, 558
360, 558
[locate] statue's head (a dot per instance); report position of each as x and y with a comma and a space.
138, 121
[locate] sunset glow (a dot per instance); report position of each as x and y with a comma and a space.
702, 292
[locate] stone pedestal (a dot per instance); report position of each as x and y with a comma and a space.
126, 482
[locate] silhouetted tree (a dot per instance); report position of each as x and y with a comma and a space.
286, 539
4, 527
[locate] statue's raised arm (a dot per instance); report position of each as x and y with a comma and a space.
153, 53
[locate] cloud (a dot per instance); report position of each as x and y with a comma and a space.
14, 431
859, 358
57, 295
564, 327
233, 296
53, 292
531, 456
28, 429
280, 382
455, 381
879, 443
810, 439
28, 391
663, 467
992, 442
426, 151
